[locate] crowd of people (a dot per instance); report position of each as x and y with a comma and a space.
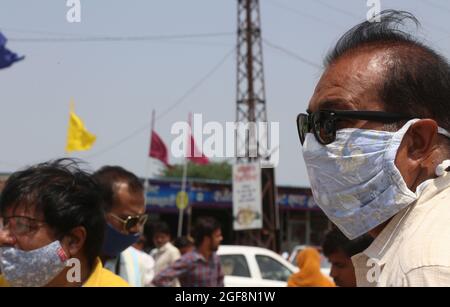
56, 211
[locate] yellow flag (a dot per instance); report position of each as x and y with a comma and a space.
78, 138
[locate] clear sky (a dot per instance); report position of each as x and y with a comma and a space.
116, 84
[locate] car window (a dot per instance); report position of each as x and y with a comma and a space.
272, 269
235, 265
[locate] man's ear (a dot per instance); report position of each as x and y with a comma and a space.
417, 145
422, 139
74, 241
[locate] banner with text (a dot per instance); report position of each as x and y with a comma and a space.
247, 200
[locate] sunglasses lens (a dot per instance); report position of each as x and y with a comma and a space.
324, 127
302, 127
131, 224
135, 223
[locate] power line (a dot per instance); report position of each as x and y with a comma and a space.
43, 32
118, 38
169, 109
292, 54
338, 9
300, 13
198, 84
351, 14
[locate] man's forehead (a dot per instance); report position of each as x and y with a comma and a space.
129, 201
350, 82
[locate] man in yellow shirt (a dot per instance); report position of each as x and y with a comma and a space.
52, 228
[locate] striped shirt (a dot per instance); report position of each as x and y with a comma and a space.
193, 270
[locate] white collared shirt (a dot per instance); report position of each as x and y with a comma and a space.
165, 256
413, 250
136, 267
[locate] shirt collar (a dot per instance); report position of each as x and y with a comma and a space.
164, 247
199, 256
95, 275
389, 235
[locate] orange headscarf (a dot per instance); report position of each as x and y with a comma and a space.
309, 275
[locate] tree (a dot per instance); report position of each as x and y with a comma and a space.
212, 170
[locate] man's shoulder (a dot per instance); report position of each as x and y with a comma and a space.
190, 257
425, 243
172, 249
107, 278
140, 255
101, 277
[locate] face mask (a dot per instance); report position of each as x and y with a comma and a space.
34, 268
354, 180
116, 242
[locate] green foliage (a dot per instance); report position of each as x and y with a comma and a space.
212, 170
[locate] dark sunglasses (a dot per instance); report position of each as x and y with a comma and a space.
131, 222
323, 123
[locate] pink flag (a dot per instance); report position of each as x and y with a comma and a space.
193, 154
158, 149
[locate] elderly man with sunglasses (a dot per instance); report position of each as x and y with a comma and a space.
376, 146
124, 200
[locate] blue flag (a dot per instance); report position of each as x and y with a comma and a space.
7, 58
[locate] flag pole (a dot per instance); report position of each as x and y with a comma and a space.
183, 182
183, 190
71, 110
189, 211
147, 161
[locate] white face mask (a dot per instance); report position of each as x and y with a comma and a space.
354, 180
34, 268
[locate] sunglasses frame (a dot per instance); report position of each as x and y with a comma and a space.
129, 218
307, 122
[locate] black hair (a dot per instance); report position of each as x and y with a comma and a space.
108, 176
336, 241
182, 242
417, 78
204, 227
161, 227
65, 195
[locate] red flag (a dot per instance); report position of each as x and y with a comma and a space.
193, 154
158, 149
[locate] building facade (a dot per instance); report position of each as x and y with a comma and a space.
301, 221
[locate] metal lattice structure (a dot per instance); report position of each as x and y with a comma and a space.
251, 95
251, 108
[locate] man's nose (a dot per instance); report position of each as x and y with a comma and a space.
134, 230
7, 238
333, 272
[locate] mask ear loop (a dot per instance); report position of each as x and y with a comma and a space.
441, 169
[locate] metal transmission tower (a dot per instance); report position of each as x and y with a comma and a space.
251, 108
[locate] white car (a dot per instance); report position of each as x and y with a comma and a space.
249, 266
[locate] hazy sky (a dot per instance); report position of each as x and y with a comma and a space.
116, 84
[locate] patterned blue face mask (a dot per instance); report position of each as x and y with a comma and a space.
35, 268
354, 180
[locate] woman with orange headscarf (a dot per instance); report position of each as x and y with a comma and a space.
309, 275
